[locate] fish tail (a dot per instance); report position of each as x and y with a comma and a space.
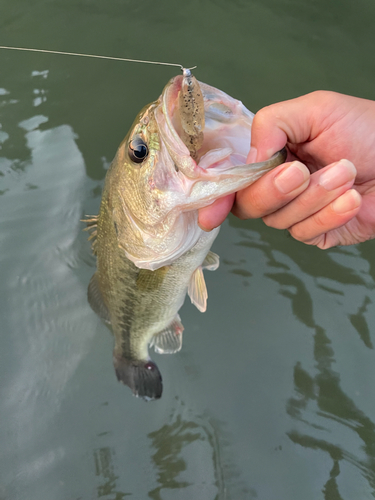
142, 376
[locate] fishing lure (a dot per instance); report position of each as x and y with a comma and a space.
191, 106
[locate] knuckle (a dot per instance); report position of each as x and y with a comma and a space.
239, 213
262, 116
323, 243
311, 231
320, 96
319, 220
250, 204
256, 206
299, 233
275, 222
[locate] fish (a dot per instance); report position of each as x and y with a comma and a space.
183, 151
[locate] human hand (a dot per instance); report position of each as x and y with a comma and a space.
321, 201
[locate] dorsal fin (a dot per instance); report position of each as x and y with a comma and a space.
91, 225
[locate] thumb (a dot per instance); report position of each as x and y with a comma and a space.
275, 125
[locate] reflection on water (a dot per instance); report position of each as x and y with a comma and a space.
324, 413
358, 320
104, 468
305, 257
294, 289
319, 401
189, 456
182, 445
192, 461
40, 351
13, 144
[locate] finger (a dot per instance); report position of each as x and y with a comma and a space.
272, 191
325, 186
215, 214
314, 230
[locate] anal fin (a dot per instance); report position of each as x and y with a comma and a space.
169, 340
95, 299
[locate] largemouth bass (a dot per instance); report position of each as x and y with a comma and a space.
182, 152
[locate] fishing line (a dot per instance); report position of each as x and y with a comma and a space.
95, 56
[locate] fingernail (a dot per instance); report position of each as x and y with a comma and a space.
252, 156
292, 177
271, 152
347, 202
338, 175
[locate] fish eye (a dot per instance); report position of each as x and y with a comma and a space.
138, 150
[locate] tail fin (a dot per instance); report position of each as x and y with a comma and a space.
143, 377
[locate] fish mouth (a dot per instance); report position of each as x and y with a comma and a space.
226, 132
226, 138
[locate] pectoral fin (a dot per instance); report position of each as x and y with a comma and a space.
169, 340
197, 290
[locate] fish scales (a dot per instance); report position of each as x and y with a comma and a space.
150, 250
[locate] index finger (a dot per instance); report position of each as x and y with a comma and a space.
272, 191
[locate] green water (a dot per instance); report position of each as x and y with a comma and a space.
272, 395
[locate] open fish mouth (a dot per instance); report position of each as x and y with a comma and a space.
226, 134
226, 128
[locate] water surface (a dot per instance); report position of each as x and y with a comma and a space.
272, 394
